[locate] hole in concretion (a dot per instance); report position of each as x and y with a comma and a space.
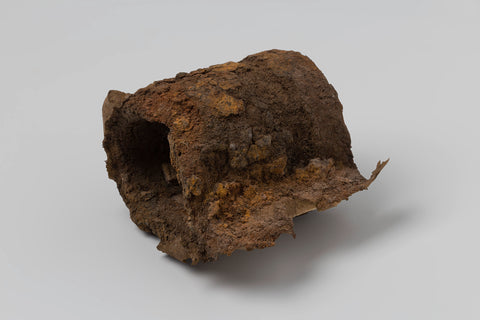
148, 151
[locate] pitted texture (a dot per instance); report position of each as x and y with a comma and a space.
223, 158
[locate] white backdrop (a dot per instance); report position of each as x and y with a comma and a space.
407, 73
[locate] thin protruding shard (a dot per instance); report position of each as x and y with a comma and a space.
376, 172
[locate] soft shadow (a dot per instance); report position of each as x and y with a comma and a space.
365, 220
320, 235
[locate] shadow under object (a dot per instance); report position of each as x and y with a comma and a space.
223, 158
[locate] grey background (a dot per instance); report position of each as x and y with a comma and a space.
407, 73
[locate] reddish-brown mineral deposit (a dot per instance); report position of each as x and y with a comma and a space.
223, 158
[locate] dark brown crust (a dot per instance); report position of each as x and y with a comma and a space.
224, 158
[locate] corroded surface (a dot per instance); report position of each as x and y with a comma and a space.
223, 158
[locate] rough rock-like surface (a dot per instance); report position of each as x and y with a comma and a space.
223, 158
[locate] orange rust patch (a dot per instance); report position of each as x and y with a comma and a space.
227, 105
